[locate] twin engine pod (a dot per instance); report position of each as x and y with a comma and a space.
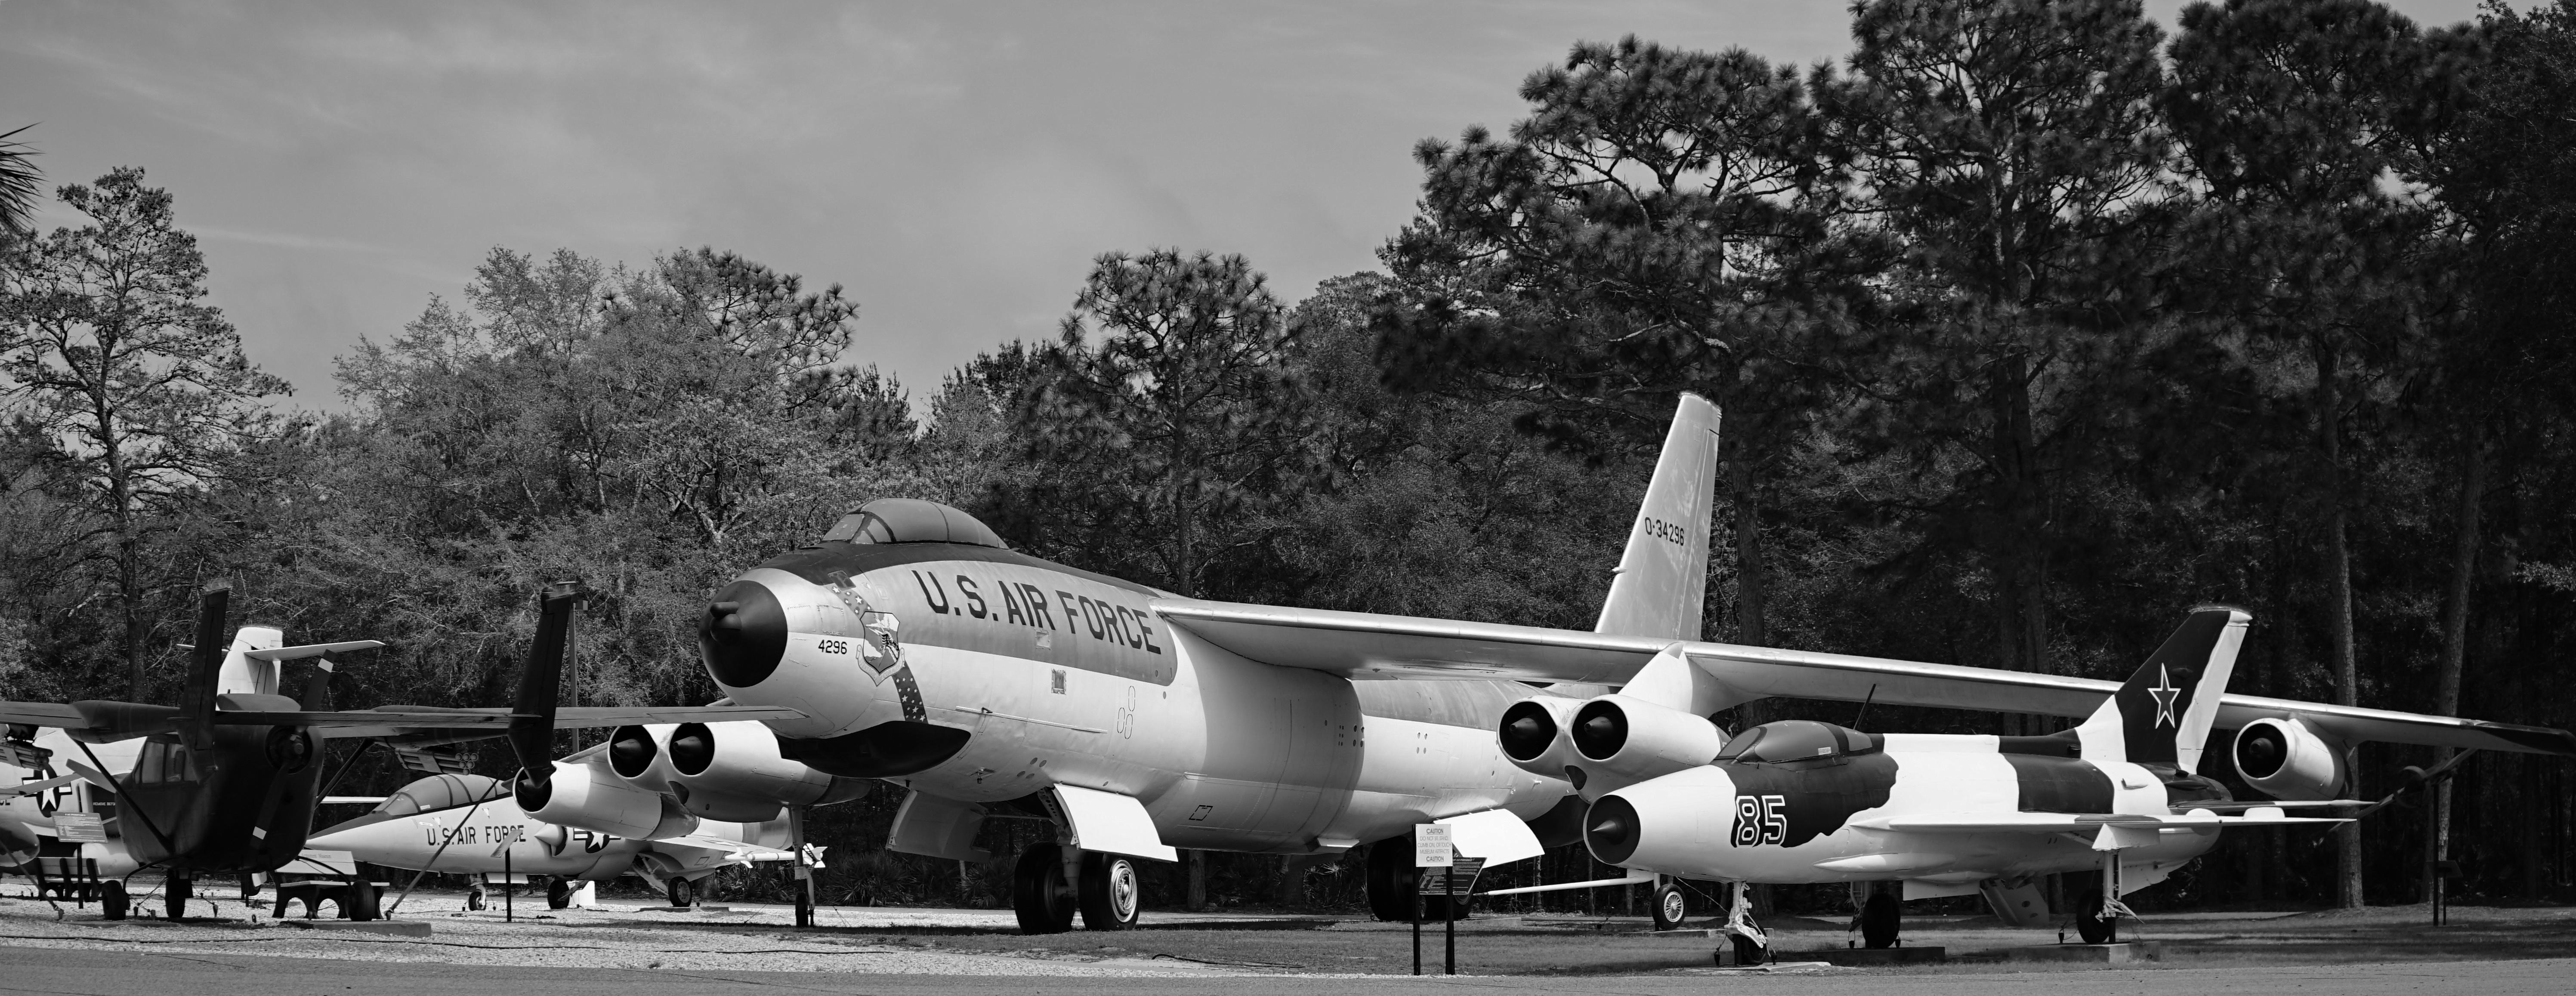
1606, 742
723, 771
2284, 759
583, 796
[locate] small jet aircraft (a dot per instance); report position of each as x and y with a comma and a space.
471, 825
920, 649
225, 783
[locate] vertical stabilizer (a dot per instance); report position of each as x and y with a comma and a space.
241, 674
1663, 575
2164, 711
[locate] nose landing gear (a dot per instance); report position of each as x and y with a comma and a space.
1750, 944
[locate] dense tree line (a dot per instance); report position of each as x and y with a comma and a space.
2033, 326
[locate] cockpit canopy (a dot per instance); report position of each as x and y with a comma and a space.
911, 520
441, 792
1795, 740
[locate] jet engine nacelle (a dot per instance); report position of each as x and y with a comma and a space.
1673, 824
1633, 740
1533, 738
2284, 759
594, 799
733, 772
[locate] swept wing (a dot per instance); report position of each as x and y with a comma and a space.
1363, 645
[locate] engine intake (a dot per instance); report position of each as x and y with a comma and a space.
1532, 735
2284, 759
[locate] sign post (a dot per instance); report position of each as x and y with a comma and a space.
1431, 849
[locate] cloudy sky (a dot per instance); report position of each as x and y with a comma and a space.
955, 165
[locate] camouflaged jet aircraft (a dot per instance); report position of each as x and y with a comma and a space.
1800, 801
920, 649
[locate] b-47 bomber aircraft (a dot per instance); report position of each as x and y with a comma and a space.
226, 782
917, 648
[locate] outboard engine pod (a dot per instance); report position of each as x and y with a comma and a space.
579, 795
1673, 824
743, 634
2284, 759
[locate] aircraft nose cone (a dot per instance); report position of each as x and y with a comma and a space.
743, 634
1610, 829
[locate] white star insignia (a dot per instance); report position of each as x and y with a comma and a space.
2164, 693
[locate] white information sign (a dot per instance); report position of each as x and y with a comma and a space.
82, 828
1431, 846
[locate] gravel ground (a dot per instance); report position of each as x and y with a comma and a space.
614, 936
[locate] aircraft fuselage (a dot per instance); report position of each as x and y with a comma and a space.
983, 675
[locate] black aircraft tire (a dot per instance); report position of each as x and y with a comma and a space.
474, 898
1746, 952
1880, 919
176, 890
1111, 896
683, 892
1672, 904
1392, 879
112, 902
2088, 919
558, 893
365, 903
1040, 896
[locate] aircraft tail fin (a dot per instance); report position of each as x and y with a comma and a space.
1663, 574
241, 673
2163, 713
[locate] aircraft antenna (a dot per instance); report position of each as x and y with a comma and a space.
1864, 705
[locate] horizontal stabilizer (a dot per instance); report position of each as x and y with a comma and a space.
311, 650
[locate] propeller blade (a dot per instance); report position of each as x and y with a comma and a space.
197, 696
532, 718
2416, 778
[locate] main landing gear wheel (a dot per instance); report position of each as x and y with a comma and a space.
1039, 894
1392, 879
474, 897
177, 891
558, 893
683, 892
1879, 919
111, 900
1110, 896
2089, 922
1672, 903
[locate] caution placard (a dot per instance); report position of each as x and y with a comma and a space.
1432, 847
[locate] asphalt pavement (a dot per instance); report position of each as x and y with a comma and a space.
201, 973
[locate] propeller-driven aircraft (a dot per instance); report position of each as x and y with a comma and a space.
920, 649
225, 782
471, 825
